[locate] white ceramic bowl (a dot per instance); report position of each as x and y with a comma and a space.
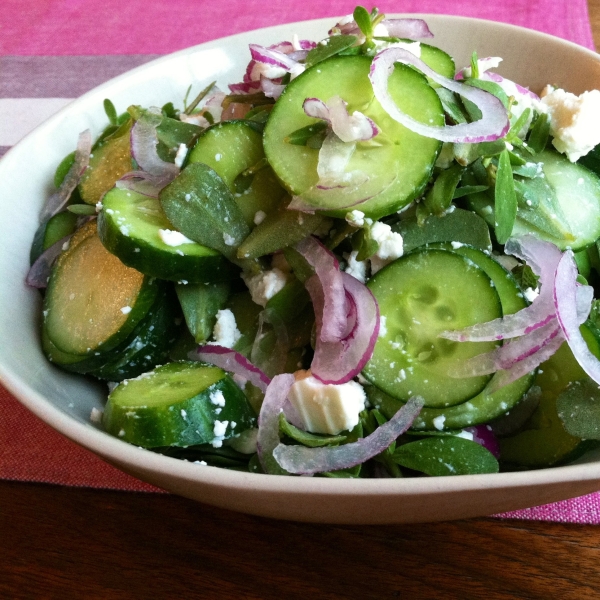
65, 401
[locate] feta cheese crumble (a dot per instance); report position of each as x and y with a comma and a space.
356, 268
217, 398
181, 154
326, 408
265, 285
391, 246
574, 120
225, 331
173, 238
356, 218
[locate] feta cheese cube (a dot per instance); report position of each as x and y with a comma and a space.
326, 408
265, 285
225, 331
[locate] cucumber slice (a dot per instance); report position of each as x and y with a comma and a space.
94, 301
483, 407
231, 148
177, 404
419, 296
440, 61
56, 228
397, 155
543, 441
129, 226
108, 163
568, 212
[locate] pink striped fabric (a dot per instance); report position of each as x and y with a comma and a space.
29, 449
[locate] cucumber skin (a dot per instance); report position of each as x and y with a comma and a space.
153, 427
142, 255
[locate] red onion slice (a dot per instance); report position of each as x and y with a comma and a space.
484, 436
40, 270
565, 301
142, 183
340, 361
233, 362
334, 304
268, 421
494, 122
144, 141
348, 127
304, 461
59, 199
411, 29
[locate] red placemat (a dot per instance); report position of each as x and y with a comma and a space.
54, 50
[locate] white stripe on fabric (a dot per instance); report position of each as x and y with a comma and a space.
19, 116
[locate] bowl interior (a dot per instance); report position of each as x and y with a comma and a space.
65, 401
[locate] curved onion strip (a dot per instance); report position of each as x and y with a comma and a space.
40, 270
142, 183
270, 56
270, 88
494, 121
144, 141
304, 461
565, 300
268, 421
327, 270
339, 362
505, 357
353, 127
59, 199
484, 436
411, 29
525, 366
233, 362
543, 258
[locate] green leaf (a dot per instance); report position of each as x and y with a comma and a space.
467, 190
539, 134
439, 197
335, 44
517, 126
491, 87
579, 409
82, 209
188, 109
592, 160
451, 105
365, 244
363, 20
474, 65
301, 136
505, 199
111, 111
311, 440
437, 456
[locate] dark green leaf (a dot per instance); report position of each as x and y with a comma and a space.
467, 190
505, 199
63, 168
579, 409
311, 440
451, 105
517, 126
539, 134
335, 44
491, 87
82, 209
491, 148
529, 170
439, 197
365, 244
170, 111
301, 136
437, 456
189, 109
592, 160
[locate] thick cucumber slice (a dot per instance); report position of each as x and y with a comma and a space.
231, 148
543, 441
483, 407
108, 163
94, 301
438, 60
398, 162
179, 404
420, 295
129, 226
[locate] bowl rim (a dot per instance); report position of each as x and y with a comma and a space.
119, 452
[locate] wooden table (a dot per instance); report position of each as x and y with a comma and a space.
58, 542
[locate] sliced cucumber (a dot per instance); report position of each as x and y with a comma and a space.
94, 301
568, 203
483, 407
420, 295
231, 148
178, 404
543, 441
130, 225
398, 162
108, 163
56, 228
440, 61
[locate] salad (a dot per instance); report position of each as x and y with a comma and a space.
357, 262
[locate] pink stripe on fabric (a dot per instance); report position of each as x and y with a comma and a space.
83, 27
